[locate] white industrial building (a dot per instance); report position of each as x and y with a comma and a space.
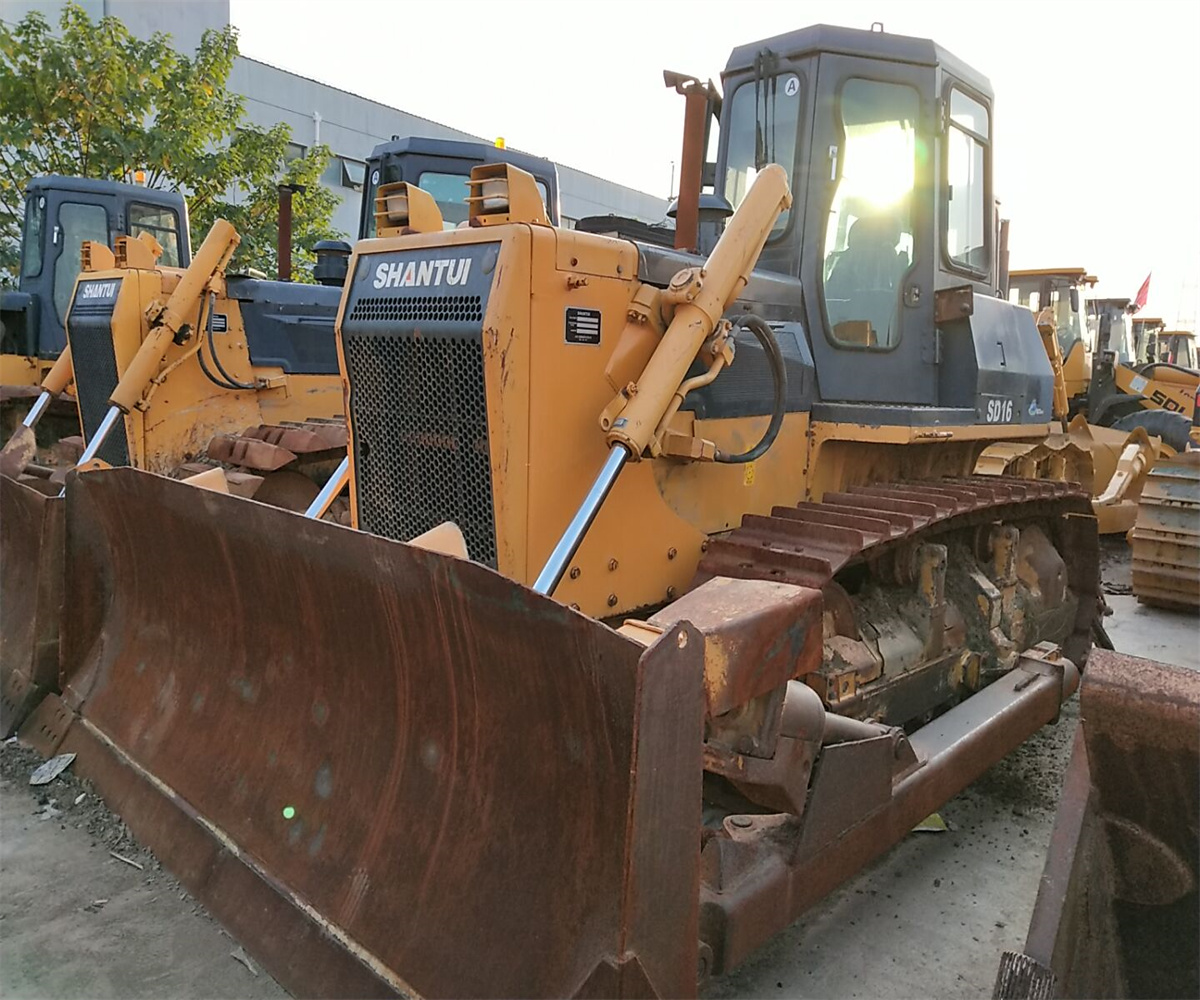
350, 125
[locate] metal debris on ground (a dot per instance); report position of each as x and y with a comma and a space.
240, 955
50, 770
128, 861
933, 823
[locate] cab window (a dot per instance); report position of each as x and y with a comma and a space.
966, 214
450, 192
31, 237
869, 236
76, 223
762, 124
161, 223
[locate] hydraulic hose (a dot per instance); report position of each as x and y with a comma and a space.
229, 382
766, 337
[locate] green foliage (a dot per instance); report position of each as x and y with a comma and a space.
94, 101
256, 218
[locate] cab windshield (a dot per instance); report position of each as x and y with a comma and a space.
449, 190
762, 127
1067, 323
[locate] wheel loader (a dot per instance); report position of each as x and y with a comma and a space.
678, 589
1125, 418
1060, 291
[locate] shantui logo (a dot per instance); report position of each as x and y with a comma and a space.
423, 273
98, 290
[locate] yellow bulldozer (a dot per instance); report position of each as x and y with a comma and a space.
228, 380
678, 588
183, 372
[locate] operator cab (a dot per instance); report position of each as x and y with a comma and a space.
887, 141
1111, 332
1145, 337
1177, 347
1059, 291
442, 167
60, 213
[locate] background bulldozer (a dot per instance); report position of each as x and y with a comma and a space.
678, 591
60, 214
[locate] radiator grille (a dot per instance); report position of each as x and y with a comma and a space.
425, 308
419, 413
95, 364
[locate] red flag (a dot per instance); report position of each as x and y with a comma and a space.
1142, 295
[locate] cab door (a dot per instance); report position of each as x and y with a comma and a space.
868, 256
71, 218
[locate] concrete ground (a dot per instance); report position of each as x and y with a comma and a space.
77, 922
931, 918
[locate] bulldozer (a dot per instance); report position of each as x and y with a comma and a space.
60, 213
679, 585
229, 381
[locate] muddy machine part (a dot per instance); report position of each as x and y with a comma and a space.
31, 580
721, 625
1118, 912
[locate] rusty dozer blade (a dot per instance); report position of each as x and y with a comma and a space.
384, 769
31, 592
387, 770
1118, 910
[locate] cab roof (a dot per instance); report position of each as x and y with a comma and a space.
819, 38
484, 152
1078, 274
91, 185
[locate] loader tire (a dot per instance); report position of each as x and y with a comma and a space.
1172, 428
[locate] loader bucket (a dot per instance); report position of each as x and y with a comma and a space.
1166, 537
1118, 912
31, 577
386, 770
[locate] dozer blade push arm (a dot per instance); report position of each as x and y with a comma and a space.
22, 446
703, 295
167, 321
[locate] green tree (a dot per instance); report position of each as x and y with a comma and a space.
94, 101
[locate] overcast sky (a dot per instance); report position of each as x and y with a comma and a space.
1097, 124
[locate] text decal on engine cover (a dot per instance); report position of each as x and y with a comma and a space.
582, 326
423, 273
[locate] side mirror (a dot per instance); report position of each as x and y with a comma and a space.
1074, 299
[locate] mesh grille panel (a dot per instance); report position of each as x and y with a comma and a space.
95, 364
419, 415
428, 308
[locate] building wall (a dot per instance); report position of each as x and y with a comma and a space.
350, 125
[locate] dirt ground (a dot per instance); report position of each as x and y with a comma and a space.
931, 918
